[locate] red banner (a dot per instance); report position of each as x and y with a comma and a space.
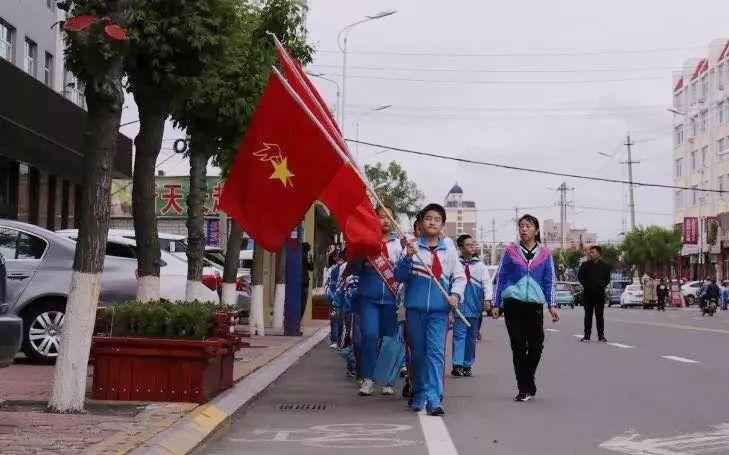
690, 230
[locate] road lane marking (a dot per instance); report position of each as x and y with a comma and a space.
552, 330
620, 345
672, 326
716, 441
338, 436
437, 438
679, 359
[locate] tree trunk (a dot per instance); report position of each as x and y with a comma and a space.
152, 116
280, 292
104, 97
255, 318
199, 156
230, 270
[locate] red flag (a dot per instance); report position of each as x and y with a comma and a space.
346, 195
285, 161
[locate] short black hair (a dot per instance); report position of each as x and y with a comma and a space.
462, 239
597, 248
433, 207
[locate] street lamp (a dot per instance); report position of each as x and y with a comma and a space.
321, 76
342, 44
381, 107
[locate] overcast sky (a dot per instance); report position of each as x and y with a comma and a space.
500, 107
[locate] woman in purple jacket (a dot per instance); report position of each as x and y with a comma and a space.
525, 285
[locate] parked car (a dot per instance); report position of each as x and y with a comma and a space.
690, 290
564, 294
11, 327
39, 267
614, 290
632, 296
578, 291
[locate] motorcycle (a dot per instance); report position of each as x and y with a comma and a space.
709, 307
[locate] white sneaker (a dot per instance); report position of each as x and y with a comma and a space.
333, 345
368, 386
388, 391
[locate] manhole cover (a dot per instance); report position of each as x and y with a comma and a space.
302, 407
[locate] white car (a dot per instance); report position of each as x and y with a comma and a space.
690, 290
173, 270
632, 296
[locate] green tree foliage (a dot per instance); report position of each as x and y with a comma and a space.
393, 186
652, 245
611, 255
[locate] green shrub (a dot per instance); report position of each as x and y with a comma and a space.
189, 320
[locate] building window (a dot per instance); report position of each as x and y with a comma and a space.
48, 70
720, 183
704, 86
720, 146
679, 167
694, 91
695, 195
694, 160
7, 37
51, 4
30, 57
720, 112
703, 120
678, 135
695, 126
704, 152
678, 200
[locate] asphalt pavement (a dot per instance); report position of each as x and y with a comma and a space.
659, 387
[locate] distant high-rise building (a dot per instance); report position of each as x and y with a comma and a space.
460, 215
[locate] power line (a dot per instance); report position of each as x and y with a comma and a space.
446, 81
539, 54
604, 209
497, 71
536, 171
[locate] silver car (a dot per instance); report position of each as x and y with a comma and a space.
39, 266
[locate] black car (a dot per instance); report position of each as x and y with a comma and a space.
11, 327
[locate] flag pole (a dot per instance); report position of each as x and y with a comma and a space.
348, 161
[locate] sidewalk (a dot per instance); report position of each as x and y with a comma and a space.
107, 427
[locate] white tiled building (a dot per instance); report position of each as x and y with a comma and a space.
701, 144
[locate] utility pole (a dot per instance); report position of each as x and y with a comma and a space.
631, 198
516, 221
563, 203
493, 241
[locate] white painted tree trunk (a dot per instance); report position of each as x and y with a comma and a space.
194, 291
69, 376
229, 296
255, 318
278, 306
148, 288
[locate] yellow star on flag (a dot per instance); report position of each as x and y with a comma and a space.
281, 172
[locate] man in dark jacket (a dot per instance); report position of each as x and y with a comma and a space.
594, 275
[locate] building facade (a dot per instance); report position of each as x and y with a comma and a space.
574, 238
701, 157
461, 215
41, 130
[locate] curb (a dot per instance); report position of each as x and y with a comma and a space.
189, 433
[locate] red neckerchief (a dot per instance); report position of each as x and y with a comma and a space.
381, 263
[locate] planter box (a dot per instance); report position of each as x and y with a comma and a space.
154, 369
320, 307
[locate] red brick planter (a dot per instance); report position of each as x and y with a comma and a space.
154, 369
320, 307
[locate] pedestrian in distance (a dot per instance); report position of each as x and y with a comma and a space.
330, 288
307, 266
427, 308
662, 293
477, 296
377, 301
709, 291
525, 286
725, 295
594, 276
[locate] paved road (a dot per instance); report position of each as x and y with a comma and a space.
659, 388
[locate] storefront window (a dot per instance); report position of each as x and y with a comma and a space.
23, 193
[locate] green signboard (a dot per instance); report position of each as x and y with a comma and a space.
170, 196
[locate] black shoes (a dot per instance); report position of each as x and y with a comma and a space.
467, 372
523, 397
439, 411
457, 371
603, 339
585, 339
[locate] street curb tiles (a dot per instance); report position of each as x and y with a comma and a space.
189, 433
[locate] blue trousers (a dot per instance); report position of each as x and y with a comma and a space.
464, 342
427, 332
376, 321
336, 324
